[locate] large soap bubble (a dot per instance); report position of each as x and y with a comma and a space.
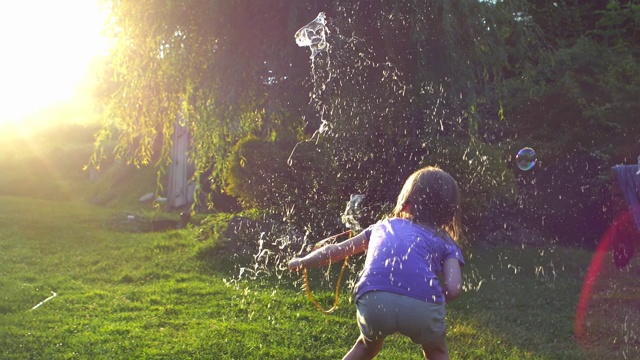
526, 159
313, 35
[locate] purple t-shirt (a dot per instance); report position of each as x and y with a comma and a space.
405, 258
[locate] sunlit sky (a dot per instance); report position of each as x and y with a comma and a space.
47, 48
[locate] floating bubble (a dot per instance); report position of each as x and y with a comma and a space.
313, 35
526, 159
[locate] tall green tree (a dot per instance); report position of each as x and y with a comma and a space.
461, 84
578, 110
221, 67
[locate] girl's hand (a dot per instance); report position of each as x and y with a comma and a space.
295, 264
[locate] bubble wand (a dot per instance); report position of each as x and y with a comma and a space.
305, 276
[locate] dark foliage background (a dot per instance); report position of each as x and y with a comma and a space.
460, 84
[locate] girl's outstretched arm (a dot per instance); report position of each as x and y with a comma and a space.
331, 253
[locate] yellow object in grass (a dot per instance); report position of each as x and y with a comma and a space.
307, 288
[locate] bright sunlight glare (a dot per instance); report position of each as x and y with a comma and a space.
47, 50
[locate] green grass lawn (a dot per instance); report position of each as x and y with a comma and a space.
123, 295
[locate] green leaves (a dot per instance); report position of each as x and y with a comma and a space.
401, 81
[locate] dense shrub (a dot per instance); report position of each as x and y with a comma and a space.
257, 173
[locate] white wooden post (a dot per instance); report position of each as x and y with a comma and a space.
178, 189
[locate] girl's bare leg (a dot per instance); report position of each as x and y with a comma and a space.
436, 350
364, 349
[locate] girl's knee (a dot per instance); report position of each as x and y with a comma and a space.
364, 349
371, 346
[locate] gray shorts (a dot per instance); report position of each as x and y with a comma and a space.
382, 313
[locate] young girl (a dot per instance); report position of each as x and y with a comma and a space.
399, 288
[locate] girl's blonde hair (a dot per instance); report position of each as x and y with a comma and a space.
431, 197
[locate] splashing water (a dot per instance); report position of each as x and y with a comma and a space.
313, 35
347, 67
352, 211
526, 159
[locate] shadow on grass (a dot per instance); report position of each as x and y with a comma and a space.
610, 319
520, 298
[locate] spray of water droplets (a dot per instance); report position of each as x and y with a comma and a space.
265, 254
357, 99
351, 212
352, 89
313, 35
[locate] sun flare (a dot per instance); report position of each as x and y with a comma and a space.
48, 47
